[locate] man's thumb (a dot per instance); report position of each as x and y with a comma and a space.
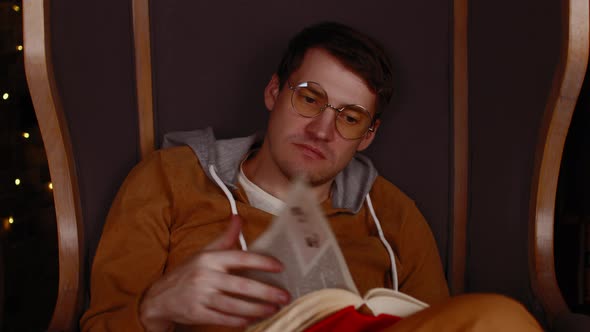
230, 236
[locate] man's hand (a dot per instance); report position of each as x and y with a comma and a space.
202, 291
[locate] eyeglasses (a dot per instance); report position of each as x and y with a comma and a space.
309, 100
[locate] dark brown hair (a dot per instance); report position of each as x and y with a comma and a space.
358, 52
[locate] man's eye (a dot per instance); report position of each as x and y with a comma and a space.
351, 119
309, 100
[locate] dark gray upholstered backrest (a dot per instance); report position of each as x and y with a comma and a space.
513, 55
94, 70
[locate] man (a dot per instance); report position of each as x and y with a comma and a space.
168, 252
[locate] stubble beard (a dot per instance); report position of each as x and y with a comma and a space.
292, 170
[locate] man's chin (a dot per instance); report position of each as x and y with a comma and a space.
313, 176
316, 172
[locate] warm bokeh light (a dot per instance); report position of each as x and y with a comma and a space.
19, 48
10, 220
26, 135
5, 96
17, 182
50, 186
16, 8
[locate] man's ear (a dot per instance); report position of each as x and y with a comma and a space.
366, 141
271, 92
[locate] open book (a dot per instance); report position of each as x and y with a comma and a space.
315, 306
315, 274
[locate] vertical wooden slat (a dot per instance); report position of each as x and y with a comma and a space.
54, 130
143, 75
567, 83
460, 148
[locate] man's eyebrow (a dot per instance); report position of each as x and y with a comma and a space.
314, 91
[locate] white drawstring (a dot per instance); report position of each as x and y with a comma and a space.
232, 202
385, 243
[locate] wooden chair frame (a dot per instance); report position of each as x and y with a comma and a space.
567, 83
56, 138
54, 131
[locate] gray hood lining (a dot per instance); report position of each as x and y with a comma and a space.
349, 189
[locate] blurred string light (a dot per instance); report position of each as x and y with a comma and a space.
6, 224
5, 96
17, 181
19, 48
50, 186
26, 135
16, 8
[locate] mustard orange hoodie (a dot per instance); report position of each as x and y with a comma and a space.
169, 208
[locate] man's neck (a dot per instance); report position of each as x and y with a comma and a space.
262, 171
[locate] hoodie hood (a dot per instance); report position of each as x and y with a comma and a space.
350, 186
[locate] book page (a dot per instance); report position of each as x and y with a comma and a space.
301, 238
307, 310
389, 301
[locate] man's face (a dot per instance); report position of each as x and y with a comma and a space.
312, 146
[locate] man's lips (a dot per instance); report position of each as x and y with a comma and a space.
310, 151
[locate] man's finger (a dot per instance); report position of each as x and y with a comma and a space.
252, 289
229, 237
240, 307
230, 260
219, 318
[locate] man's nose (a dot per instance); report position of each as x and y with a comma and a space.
323, 126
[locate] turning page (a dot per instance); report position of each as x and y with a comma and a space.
301, 238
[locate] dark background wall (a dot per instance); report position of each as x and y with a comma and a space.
513, 49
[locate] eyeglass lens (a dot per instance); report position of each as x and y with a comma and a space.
310, 99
